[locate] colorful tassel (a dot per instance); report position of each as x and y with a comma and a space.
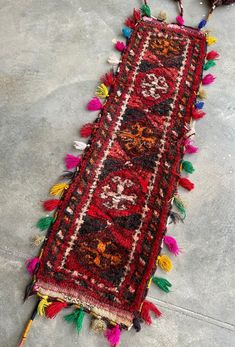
98, 325
108, 79
113, 335
67, 175
54, 308
86, 130
199, 105
37, 240
180, 20
120, 46
186, 183
146, 10
58, 188
171, 244
202, 24
113, 60
32, 264
43, 304
50, 205
208, 79
212, 55
180, 205
164, 262
94, 104
44, 223
148, 307
197, 114
76, 317
162, 283
136, 15
175, 217
209, 64
187, 166
189, 148
130, 23
162, 16
127, 32
136, 323
71, 161
211, 40
102, 91
202, 93
80, 146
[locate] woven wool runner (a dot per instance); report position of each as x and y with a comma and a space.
102, 248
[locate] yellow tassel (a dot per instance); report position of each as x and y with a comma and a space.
43, 304
211, 40
202, 94
58, 188
102, 91
165, 263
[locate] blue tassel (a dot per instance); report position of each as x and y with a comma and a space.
199, 105
202, 24
127, 32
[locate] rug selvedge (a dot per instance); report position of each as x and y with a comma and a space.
104, 242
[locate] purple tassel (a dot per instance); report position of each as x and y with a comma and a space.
208, 79
31, 265
113, 335
94, 104
171, 244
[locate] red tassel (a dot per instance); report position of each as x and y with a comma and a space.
212, 55
186, 183
50, 205
129, 22
108, 79
208, 79
71, 161
197, 114
54, 308
147, 307
136, 15
86, 130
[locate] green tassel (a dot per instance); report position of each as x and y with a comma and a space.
179, 204
209, 64
162, 283
44, 223
76, 317
188, 166
146, 10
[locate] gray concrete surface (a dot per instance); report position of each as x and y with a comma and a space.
52, 54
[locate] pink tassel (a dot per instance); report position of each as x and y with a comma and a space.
212, 55
31, 265
171, 244
71, 161
208, 79
197, 114
50, 205
189, 148
113, 335
86, 130
94, 104
147, 307
180, 20
120, 46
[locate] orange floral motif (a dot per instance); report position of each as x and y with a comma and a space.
101, 255
165, 47
138, 137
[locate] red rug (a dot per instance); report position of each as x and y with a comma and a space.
103, 246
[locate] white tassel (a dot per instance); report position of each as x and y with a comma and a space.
113, 60
79, 145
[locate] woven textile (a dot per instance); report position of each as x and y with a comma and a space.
102, 248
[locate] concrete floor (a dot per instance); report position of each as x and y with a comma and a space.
52, 54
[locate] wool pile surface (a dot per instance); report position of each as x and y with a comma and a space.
102, 248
